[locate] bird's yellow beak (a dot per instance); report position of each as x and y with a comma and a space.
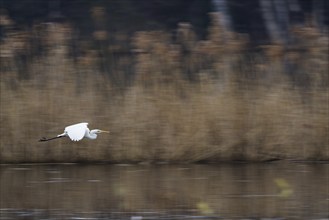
104, 131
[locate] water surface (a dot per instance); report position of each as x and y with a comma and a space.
71, 191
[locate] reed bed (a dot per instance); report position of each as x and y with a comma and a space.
170, 99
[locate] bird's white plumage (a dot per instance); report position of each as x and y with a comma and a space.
76, 132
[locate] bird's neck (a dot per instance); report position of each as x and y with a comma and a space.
91, 134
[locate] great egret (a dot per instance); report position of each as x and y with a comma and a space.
76, 132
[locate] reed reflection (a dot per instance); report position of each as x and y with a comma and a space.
238, 190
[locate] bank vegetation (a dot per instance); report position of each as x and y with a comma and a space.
165, 97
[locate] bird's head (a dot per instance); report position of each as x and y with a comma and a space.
98, 131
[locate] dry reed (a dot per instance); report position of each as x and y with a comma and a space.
189, 101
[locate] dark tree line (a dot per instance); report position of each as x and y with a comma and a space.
263, 20
272, 20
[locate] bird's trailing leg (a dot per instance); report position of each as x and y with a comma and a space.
49, 139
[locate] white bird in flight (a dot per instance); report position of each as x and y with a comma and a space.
76, 132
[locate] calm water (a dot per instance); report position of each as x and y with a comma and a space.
238, 191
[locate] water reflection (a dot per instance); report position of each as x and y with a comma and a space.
289, 190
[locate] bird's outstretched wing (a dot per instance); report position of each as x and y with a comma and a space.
76, 132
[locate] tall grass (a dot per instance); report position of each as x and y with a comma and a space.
187, 101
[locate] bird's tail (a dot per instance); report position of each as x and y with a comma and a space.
61, 135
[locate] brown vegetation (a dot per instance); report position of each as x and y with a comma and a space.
188, 101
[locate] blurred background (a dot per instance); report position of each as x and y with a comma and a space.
174, 81
194, 83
